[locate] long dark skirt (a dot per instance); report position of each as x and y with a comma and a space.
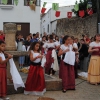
49, 61
3, 80
67, 75
35, 83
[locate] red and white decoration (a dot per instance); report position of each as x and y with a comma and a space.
90, 11
69, 14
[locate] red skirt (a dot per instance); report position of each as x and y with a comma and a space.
49, 61
3, 81
35, 81
67, 75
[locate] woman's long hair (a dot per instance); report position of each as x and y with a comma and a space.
65, 38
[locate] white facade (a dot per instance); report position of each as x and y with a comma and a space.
49, 19
21, 14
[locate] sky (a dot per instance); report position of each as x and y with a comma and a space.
61, 3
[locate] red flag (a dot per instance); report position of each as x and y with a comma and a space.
57, 14
69, 14
43, 10
90, 11
81, 13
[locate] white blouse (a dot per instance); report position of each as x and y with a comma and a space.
63, 47
94, 44
2, 56
49, 45
57, 43
35, 55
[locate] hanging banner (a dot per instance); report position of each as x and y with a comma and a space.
44, 4
76, 7
90, 11
69, 14
81, 13
55, 6
43, 10
16, 2
57, 13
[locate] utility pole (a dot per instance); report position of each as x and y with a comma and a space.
98, 16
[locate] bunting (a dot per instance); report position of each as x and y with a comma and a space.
44, 4
69, 14
57, 13
81, 13
43, 8
90, 11
16, 2
76, 7
55, 6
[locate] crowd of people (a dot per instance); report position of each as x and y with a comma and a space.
65, 53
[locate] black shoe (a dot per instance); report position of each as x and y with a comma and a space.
64, 91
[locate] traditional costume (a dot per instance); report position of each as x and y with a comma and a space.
49, 58
94, 66
35, 83
3, 77
66, 72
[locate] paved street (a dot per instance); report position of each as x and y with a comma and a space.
84, 91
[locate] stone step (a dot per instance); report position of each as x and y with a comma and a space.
52, 84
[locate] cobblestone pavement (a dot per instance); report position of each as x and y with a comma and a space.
84, 91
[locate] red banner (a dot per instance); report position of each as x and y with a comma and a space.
81, 13
43, 10
90, 11
57, 14
69, 14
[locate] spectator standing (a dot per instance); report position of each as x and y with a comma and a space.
34, 39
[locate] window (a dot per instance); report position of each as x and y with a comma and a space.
48, 28
10, 2
37, 2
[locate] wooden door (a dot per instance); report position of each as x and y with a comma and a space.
23, 29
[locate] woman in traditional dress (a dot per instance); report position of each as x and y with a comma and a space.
66, 71
94, 66
3, 74
35, 83
49, 46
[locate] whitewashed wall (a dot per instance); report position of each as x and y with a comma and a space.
45, 21
50, 18
53, 26
21, 14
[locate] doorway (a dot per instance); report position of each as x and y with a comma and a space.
22, 28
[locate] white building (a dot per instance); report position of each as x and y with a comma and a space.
49, 20
22, 15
